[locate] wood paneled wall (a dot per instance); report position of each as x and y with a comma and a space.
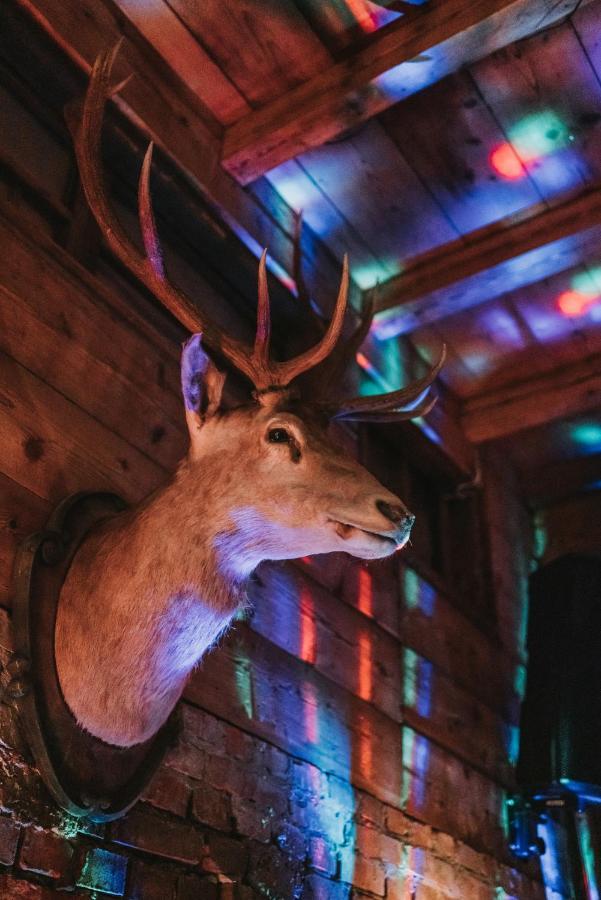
355, 734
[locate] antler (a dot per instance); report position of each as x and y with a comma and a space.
407, 403
345, 350
253, 361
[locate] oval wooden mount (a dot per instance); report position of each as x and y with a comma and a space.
86, 776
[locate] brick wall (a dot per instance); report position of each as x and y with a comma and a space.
352, 738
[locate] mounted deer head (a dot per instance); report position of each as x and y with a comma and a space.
154, 587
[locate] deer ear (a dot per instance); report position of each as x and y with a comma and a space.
202, 384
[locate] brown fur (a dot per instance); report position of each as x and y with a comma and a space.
151, 590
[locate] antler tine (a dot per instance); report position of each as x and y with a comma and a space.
261, 349
149, 269
285, 372
150, 237
297, 265
403, 403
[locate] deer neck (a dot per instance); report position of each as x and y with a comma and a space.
153, 589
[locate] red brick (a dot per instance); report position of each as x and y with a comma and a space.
9, 836
319, 888
370, 811
169, 790
212, 807
272, 873
197, 887
362, 873
187, 759
322, 856
162, 837
12, 889
225, 855
292, 841
151, 882
45, 853
375, 845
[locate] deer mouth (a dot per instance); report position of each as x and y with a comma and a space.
347, 531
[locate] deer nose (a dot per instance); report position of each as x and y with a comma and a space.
398, 515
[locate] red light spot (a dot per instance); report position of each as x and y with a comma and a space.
362, 14
365, 667
506, 162
573, 303
365, 592
308, 635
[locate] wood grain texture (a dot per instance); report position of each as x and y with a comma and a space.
573, 389
493, 259
449, 35
447, 135
265, 49
165, 117
165, 31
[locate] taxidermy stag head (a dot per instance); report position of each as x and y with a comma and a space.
152, 589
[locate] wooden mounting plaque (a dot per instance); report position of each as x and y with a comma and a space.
86, 776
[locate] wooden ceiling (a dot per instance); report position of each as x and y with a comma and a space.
453, 148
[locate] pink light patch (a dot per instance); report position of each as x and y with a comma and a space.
507, 163
574, 303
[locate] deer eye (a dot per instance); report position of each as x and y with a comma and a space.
278, 436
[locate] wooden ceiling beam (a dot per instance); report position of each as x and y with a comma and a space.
187, 134
566, 391
445, 281
436, 40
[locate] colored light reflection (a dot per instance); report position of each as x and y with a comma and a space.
417, 682
416, 757
507, 163
587, 435
529, 141
310, 712
363, 15
585, 293
587, 854
418, 593
573, 304
243, 680
365, 686
366, 594
308, 632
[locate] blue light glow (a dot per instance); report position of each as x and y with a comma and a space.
587, 435
417, 682
416, 759
588, 856
417, 593
244, 684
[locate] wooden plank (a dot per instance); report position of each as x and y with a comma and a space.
381, 197
447, 137
166, 33
52, 448
104, 393
149, 358
446, 35
264, 49
546, 96
456, 646
348, 648
257, 687
574, 389
21, 513
82, 31
493, 260
70, 342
